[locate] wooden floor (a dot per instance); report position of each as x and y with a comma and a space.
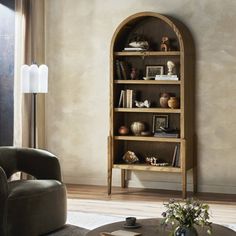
136, 194
143, 203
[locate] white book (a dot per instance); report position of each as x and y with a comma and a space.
166, 77
134, 49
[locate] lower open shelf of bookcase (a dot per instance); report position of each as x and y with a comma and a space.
147, 167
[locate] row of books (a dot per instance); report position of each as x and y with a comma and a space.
126, 99
122, 70
176, 156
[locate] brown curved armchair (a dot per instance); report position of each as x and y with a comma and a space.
30, 207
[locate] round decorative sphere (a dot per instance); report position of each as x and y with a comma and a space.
164, 97
123, 130
173, 102
137, 127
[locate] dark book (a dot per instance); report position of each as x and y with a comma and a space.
174, 156
177, 160
118, 70
124, 70
121, 98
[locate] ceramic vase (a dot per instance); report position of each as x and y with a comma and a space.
123, 130
137, 127
173, 102
185, 231
134, 73
164, 97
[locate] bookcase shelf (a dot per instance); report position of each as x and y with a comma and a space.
125, 88
147, 53
148, 110
146, 167
148, 139
143, 82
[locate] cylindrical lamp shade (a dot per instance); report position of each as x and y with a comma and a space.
43, 77
34, 79
25, 79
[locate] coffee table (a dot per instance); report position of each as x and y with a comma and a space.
152, 227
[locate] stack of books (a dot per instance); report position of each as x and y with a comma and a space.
134, 49
127, 98
163, 134
166, 77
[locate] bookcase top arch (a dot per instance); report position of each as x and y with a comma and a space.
175, 27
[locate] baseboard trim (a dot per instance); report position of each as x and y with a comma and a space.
152, 185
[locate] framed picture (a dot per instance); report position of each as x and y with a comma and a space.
152, 71
158, 121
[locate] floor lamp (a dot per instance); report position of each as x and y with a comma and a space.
34, 80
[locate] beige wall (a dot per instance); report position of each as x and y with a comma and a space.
78, 35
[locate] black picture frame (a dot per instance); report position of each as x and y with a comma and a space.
158, 121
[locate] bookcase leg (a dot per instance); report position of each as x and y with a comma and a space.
110, 162
109, 181
184, 184
195, 179
123, 178
184, 169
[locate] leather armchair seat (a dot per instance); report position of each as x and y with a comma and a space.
30, 207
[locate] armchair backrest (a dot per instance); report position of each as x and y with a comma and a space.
36, 162
8, 160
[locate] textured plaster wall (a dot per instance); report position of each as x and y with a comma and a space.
78, 35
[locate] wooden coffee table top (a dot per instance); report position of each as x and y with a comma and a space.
152, 227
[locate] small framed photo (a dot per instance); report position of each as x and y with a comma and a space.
159, 121
152, 71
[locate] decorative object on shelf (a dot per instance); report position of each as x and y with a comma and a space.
152, 71
34, 80
183, 216
173, 103
164, 97
146, 103
154, 161
138, 42
123, 130
137, 127
159, 121
165, 44
145, 133
147, 78
130, 157
170, 66
134, 73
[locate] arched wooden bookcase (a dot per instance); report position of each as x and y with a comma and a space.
153, 26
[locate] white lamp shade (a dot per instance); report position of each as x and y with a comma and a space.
34, 79
43, 75
25, 79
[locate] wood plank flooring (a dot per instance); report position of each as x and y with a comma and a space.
143, 203
138, 194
